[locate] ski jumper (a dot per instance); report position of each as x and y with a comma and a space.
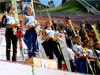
30, 37
50, 46
10, 38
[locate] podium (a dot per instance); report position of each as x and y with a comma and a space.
42, 62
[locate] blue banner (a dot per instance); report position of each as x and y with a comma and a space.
25, 4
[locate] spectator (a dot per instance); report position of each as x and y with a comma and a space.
82, 34
89, 26
55, 25
81, 24
98, 26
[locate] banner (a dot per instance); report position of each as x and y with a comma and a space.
25, 4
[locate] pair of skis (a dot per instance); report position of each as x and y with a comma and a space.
14, 4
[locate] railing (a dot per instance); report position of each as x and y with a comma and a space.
89, 7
